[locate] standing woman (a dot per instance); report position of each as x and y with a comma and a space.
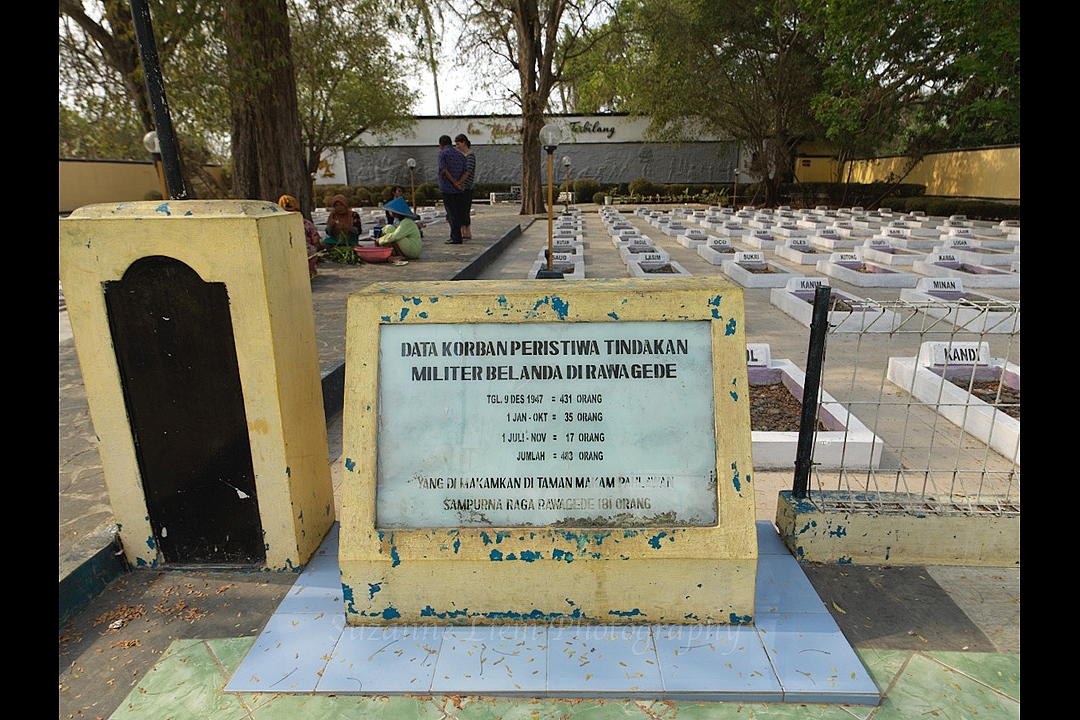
467, 180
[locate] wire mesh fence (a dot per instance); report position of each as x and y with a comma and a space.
938, 382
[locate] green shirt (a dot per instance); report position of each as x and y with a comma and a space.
407, 236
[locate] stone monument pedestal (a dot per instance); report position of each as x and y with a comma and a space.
535, 452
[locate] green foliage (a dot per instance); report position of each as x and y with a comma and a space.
344, 74
585, 187
343, 255
598, 197
427, 194
643, 188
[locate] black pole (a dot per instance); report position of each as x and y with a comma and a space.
159, 105
815, 360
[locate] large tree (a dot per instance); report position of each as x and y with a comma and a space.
346, 79
746, 70
535, 39
920, 76
267, 152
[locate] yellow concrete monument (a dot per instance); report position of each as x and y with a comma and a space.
547, 452
195, 333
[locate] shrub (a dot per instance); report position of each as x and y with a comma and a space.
427, 194
361, 197
643, 187
598, 197
585, 188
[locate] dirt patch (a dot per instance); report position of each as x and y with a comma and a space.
774, 409
991, 392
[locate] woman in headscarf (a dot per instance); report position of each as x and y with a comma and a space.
343, 225
311, 233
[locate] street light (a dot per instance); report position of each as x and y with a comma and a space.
411, 162
735, 196
566, 164
153, 146
550, 135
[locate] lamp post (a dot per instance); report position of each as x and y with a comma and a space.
411, 162
735, 196
153, 146
550, 135
566, 164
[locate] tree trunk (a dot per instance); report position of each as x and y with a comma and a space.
533, 170
267, 150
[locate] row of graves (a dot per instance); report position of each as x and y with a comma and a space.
641, 255
863, 249
567, 246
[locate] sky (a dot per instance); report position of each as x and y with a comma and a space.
459, 95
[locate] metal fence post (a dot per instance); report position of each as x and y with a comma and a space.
815, 359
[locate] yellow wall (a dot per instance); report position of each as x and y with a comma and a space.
86, 182
992, 173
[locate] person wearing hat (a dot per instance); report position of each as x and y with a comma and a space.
404, 235
311, 233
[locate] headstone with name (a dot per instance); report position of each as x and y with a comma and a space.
716, 250
852, 268
847, 313
945, 298
798, 250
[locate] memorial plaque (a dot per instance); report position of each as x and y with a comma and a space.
546, 424
521, 452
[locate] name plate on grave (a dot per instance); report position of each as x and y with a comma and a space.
546, 424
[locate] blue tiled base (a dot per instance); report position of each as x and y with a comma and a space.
794, 652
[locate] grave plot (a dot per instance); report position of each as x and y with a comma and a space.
846, 230
799, 251
815, 222
659, 220
847, 313
851, 268
978, 276
965, 249
993, 240
762, 239
904, 240
1011, 229
622, 235
732, 229
570, 264
693, 238
878, 249
655, 264
954, 378
674, 228
841, 439
833, 240
567, 243
945, 299
751, 270
716, 250
633, 245
788, 228
761, 221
